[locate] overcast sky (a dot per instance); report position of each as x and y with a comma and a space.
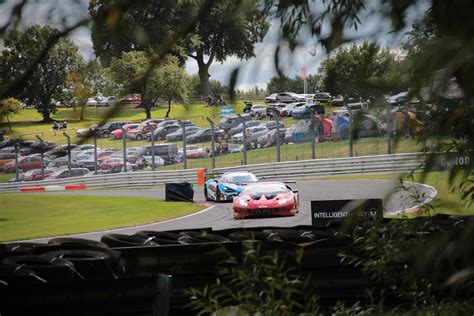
255, 71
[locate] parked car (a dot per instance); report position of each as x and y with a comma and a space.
226, 123
158, 161
166, 151
141, 132
161, 131
6, 158
252, 135
356, 106
34, 175
238, 129
269, 139
156, 121
109, 162
271, 98
61, 150
339, 101
85, 161
322, 97
107, 128
65, 173
278, 108
117, 134
132, 99
37, 147
272, 125
61, 162
178, 135
107, 101
398, 99
195, 152
91, 102
287, 111
258, 110
86, 131
24, 164
286, 97
204, 135
304, 112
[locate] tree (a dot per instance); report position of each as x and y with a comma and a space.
167, 80
227, 28
231, 28
355, 70
48, 79
8, 107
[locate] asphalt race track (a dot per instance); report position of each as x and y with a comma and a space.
219, 215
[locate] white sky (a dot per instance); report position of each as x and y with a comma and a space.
255, 71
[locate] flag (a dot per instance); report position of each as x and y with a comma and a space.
303, 72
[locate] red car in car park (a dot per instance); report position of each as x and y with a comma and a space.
34, 175
24, 164
263, 199
140, 132
117, 134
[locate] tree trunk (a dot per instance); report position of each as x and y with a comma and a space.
83, 108
169, 108
46, 114
147, 111
203, 72
9, 125
204, 81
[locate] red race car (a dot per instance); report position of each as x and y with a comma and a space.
266, 199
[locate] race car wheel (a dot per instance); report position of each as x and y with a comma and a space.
205, 194
219, 196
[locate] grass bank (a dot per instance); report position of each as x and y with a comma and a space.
27, 216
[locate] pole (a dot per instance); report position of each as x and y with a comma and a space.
244, 137
68, 150
42, 155
351, 145
213, 144
277, 119
124, 141
95, 150
313, 136
17, 174
152, 146
183, 127
389, 130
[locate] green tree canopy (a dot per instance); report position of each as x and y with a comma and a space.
355, 70
48, 79
167, 80
226, 28
9, 107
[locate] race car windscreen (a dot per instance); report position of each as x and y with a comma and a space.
270, 191
241, 178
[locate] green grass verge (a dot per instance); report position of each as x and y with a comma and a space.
26, 216
446, 202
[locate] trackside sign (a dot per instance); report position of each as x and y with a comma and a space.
327, 211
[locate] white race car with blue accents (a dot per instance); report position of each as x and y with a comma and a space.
227, 186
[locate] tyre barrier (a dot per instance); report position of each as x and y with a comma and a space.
122, 268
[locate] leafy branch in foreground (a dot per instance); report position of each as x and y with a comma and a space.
262, 284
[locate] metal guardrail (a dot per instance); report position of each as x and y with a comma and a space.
400, 163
